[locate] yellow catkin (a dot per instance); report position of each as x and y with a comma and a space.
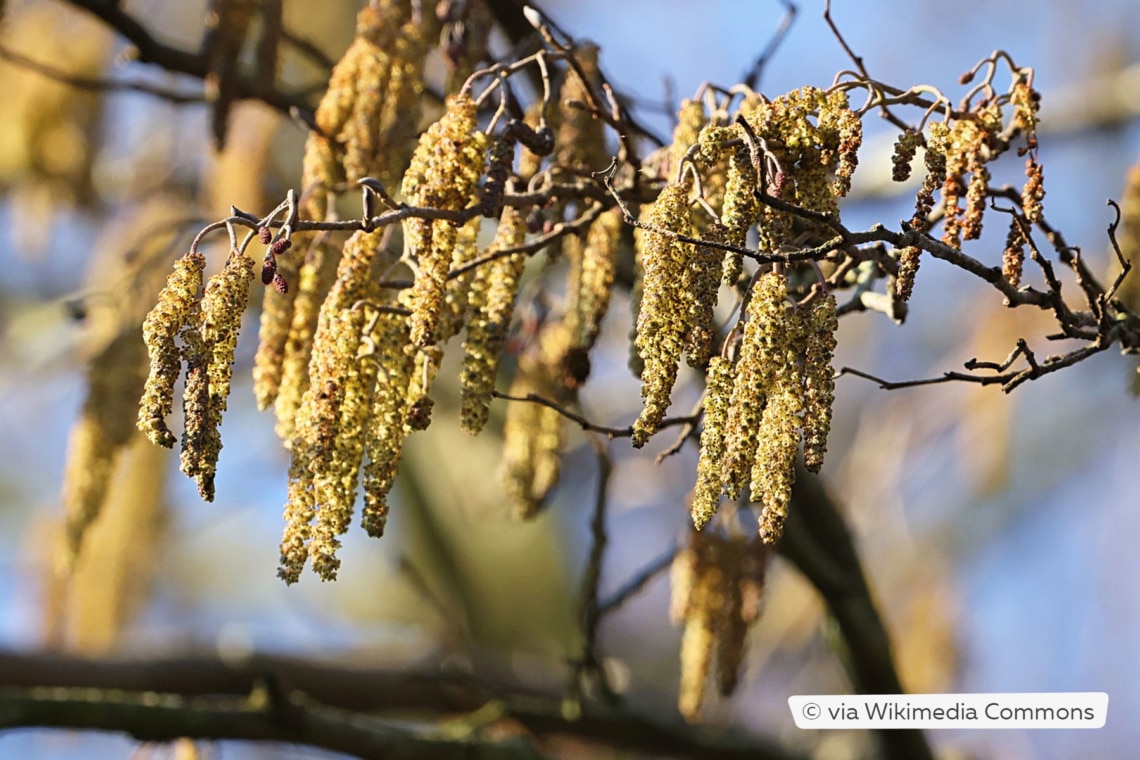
115, 379
456, 300
910, 258
532, 446
819, 386
322, 446
321, 172
314, 281
682, 572
698, 642
773, 470
580, 141
718, 395
492, 300
371, 107
716, 587
702, 283
445, 168
733, 626
740, 211
691, 118
593, 265
385, 428
661, 322
299, 510
109, 582
200, 439
755, 367
223, 304
160, 329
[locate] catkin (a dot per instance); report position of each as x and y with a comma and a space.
819, 386
444, 171
322, 446
593, 265
718, 395
758, 361
222, 307
773, 470
702, 282
532, 446
115, 377
314, 281
457, 295
385, 427
493, 292
661, 322
160, 330
371, 106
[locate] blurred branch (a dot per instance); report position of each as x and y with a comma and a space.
272, 698
178, 61
585, 424
98, 85
817, 541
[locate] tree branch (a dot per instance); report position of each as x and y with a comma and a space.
817, 541
274, 698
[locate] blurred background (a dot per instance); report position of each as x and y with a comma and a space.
998, 531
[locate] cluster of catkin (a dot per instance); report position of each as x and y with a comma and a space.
800, 147
957, 154
199, 330
718, 584
758, 411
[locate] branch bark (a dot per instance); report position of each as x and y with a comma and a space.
817, 541
330, 706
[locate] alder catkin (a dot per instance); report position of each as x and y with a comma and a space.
819, 386
492, 300
445, 168
718, 394
758, 361
222, 307
160, 330
662, 320
385, 428
773, 470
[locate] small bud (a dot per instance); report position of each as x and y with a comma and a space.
264, 234
279, 284
268, 270
281, 246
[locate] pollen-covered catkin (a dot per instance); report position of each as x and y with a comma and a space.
773, 471
443, 174
760, 358
493, 292
581, 137
222, 307
160, 330
532, 447
371, 106
702, 282
661, 322
1013, 257
314, 281
909, 259
385, 427
819, 379
718, 393
740, 209
456, 300
115, 378
326, 442
593, 265
201, 442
